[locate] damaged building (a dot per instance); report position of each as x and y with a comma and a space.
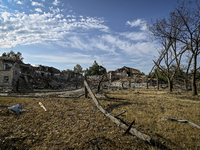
15, 75
9, 72
70, 75
47, 71
123, 72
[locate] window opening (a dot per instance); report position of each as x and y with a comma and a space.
6, 80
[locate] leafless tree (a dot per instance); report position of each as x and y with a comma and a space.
168, 61
183, 74
182, 26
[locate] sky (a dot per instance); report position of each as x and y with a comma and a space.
63, 33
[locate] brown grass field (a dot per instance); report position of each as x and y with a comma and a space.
76, 123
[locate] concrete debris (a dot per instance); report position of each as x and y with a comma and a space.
98, 95
42, 106
17, 108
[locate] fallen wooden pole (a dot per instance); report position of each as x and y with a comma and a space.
133, 131
183, 121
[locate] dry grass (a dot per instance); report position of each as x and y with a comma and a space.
78, 124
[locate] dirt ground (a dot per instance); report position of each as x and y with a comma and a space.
52, 93
76, 123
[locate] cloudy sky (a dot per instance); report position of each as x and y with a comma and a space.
63, 33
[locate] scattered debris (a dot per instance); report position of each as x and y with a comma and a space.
16, 108
98, 95
42, 106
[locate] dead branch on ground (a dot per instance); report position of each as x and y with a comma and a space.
183, 121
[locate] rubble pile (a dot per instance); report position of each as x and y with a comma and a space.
17, 76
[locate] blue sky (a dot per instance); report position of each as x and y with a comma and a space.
63, 33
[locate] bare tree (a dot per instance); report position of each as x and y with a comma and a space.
182, 76
190, 36
168, 60
157, 79
185, 23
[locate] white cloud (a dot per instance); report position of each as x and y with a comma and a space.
38, 9
76, 58
59, 16
139, 22
57, 10
37, 4
135, 23
78, 43
88, 44
22, 29
56, 2
43, 0
134, 35
138, 49
3, 6
5, 16
19, 2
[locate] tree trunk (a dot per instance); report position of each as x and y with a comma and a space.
186, 83
99, 85
147, 84
194, 87
157, 81
170, 85
157, 84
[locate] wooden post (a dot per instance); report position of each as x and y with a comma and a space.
147, 84
127, 131
86, 92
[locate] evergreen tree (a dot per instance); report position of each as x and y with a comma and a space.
95, 69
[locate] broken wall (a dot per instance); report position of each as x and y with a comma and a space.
6, 77
1, 65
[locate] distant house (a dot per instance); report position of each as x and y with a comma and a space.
128, 72
123, 73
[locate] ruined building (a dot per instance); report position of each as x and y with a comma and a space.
123, 72
9, 72
15, 74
